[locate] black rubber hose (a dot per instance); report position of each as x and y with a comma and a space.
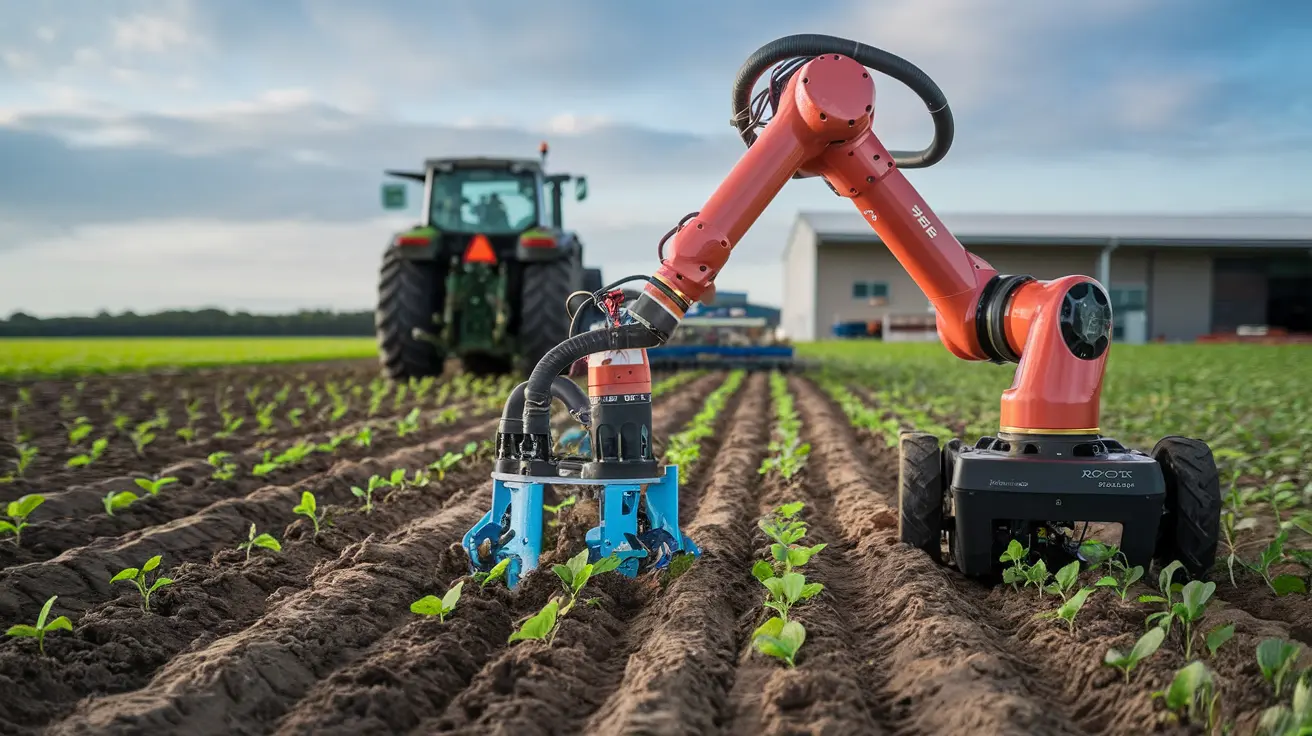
570, 394
537, 394
814, 44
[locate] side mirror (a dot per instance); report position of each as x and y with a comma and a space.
581, 188
393, 196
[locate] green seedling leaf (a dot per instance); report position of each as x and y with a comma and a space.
1287, 584
18, 510
540, 625
1192, 693
798, 556
762, 571
42, 627
118, 500
1065, 579
1144, 648
153, 486
1276, 659
137, 576
497, 572
783, 645
1218, 636
253, 540
1015, 552
1069, 608
606, 564
308, 507
789, 510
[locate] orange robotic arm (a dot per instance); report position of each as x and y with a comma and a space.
1058, 331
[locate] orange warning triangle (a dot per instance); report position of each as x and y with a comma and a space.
480, 251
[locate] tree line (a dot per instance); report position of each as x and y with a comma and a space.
192, 323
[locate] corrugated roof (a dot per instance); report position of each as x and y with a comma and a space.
1235, 230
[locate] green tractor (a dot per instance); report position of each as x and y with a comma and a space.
485, 277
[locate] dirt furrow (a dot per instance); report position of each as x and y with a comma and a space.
682, 650
47, 419
69, 518
81, 576
240, 683
939, 666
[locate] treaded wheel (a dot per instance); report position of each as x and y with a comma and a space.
920, 492
544, 320
1191, 518
409, 293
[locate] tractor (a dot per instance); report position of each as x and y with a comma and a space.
484, 277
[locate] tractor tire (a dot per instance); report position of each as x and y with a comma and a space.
544, 320
409, 293
1190, 527
920, 493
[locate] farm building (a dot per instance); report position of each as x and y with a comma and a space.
1173, 278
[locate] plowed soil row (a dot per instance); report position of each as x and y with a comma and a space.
231, 640
55, 405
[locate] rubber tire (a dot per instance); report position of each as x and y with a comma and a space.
409, 294
920, 492
950, 451
1190, 527
544, 320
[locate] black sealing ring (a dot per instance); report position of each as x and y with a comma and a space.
991, 312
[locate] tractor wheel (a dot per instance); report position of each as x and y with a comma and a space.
920, 492
1191, 516
544, 321
409, 294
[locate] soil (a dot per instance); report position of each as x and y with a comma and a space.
319, 639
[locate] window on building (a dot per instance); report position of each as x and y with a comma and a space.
869, 290
1125, 299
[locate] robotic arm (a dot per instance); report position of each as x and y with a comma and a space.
1058, 331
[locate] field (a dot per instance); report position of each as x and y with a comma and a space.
317, 636
26, 358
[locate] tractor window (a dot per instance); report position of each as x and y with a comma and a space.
493, 202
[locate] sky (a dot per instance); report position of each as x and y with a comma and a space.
163, 154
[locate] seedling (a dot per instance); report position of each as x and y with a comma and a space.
1121, 577
1065, 579
447, 462
138, 578
79, 431
1276, 659
1273, 554
153, 486
555, 510
431, 605
294, 417
1168, 588
26, 454
1069, 609
1144, 648
253, 540
1194, 598
1037, 575
231, 423
364, 438
574, 574
18, 510
223, 469
42, 627
142, 436
497, 572
98, 447
266, 466
367, 494
789, 590
309, 508
1218, 636
408, 424
118, 500
540, 625
780, 639
1018, 555
1192, 694
1294, 721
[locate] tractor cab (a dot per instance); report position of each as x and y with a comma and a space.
486, 270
